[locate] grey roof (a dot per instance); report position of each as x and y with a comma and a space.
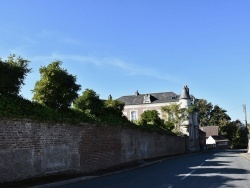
210, 130
154, 97
185, 93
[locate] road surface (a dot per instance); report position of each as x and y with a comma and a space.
209, 169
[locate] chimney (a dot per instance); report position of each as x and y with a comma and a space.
109, 97
137, 93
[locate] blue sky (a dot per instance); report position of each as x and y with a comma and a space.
118, 47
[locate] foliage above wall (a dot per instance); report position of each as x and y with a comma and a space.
12, 74
54, 95
57, 88
151, 121
176, 116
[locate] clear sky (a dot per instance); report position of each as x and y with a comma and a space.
117, 47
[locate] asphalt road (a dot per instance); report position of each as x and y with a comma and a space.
209, 169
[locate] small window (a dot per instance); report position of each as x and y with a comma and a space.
173, 97
146, 99
133, 115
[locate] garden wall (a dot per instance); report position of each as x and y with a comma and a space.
32, 149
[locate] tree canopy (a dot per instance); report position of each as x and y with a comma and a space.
204, 111
57, 88
114, 106
236, 133
218, 117
12, 74
89, 102
151, 117
176, 116
209, 115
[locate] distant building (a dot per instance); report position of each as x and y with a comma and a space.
210, 130
136, 104
217, 142
213, 139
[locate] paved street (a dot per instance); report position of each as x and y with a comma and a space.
210, 169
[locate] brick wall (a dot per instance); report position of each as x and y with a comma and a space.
30, 149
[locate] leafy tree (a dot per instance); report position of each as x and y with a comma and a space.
236, 133
114, 106
209, 115
175, 116
89, 102
12, 74
204, 111
56, 88
169, 126
229, 131
151, 117
219, 117
151, 121
241, 140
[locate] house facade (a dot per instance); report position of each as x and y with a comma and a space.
136, 104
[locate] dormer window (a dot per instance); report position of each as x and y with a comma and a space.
146, 99
173, 97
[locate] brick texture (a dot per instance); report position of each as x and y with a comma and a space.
31, 149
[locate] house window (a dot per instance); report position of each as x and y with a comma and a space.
146, 99
133, 115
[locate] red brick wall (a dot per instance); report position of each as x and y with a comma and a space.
100, 148
29, 149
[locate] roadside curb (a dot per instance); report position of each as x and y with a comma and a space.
76, 180
245, 155
65, 182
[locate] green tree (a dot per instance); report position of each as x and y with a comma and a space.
219, 117
204, 111
229, 131
151, 117
175, 115
236, 133
241, 140
209, 115
114, 106
89, 102
12, 74
57, 88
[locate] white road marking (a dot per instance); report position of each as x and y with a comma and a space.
187, 175
201, 164
192, 171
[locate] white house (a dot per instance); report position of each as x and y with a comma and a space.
136, 104
217, 142
213, 139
